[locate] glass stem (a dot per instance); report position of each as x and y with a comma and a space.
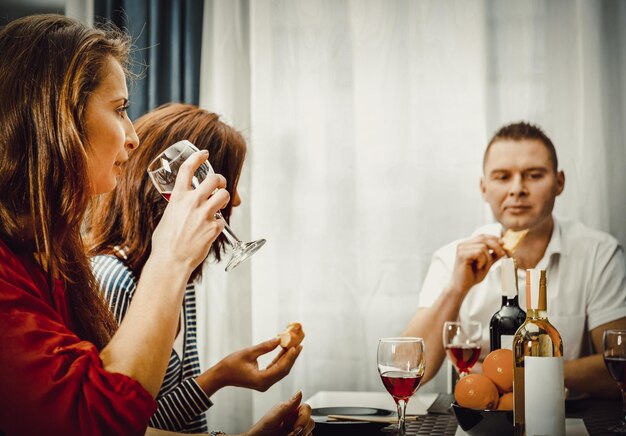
401, 412
233, 240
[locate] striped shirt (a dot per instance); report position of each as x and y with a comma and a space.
181, 401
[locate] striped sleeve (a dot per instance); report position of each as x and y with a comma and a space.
117, 283
181, 406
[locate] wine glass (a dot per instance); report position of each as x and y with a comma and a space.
401, 367
461, 341
163, 171
614, 351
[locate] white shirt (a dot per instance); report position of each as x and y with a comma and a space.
586, 284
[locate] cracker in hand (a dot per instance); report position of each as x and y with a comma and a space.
511, 239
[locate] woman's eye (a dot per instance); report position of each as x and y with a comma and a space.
122, 111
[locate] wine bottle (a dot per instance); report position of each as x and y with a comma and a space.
538, 390
505, 322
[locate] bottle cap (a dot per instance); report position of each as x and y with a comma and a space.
508, 278
536, 289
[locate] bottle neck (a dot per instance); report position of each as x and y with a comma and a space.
537, 314
510, 301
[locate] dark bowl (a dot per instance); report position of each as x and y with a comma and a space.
484, 422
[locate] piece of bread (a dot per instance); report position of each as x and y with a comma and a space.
292, 336
511, 239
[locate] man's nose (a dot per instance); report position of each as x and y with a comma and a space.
518, 187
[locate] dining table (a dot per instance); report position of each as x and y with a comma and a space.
431, 415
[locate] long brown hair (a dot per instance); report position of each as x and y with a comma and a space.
51, 64
128, 216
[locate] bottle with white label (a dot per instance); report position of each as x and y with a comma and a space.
505, 322
538, 390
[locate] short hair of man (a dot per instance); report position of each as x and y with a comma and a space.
523, 130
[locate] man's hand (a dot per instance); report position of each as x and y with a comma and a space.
474, 258
289, 418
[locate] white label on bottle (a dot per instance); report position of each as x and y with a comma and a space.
506, 341
544, 396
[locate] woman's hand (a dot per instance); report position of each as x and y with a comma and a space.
289, 418
242, 369
188, 226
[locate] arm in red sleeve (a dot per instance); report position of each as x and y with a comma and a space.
51, 382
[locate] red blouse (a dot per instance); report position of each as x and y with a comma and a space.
51, 382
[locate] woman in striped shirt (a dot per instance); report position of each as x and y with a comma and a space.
119, 233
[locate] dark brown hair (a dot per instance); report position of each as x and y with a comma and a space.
51, 64
128, 216
523, 130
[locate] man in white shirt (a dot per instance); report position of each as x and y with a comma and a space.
586, 271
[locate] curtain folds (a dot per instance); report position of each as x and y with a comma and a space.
168, 38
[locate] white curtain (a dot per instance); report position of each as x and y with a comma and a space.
366, 123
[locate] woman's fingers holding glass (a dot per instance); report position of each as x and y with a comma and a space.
186, 172
217, 201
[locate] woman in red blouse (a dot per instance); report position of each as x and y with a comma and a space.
65, 135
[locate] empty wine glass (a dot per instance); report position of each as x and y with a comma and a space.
614, 352
401, 367
163, 171
461, 341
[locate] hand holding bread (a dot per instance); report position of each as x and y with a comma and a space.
291, 336
511, 239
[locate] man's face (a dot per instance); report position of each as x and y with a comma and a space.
520, 183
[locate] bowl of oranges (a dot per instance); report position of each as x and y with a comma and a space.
484, 402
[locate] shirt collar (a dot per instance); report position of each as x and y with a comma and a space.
554, 246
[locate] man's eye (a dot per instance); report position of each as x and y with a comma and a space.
500, 177
535, 175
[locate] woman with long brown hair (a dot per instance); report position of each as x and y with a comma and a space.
119, 238
64, 367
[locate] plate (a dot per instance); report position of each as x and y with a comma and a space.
325, 427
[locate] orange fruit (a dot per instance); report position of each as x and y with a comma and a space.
498, 366
506, 401
476, 391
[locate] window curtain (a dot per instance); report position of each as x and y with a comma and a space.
366, 123
168, 37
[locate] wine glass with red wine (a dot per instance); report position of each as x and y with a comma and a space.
163, 171
614, 351
401, 367
461, 341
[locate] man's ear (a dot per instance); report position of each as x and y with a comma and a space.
560, 182
483, 189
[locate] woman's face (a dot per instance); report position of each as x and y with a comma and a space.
110, 133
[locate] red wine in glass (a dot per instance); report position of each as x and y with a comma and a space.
617, 369
401, 368
463, 356
614, 352
163, 171
401, 384
461, 340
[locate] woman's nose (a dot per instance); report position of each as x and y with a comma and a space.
132, 140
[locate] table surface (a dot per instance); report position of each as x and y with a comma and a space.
597, 414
